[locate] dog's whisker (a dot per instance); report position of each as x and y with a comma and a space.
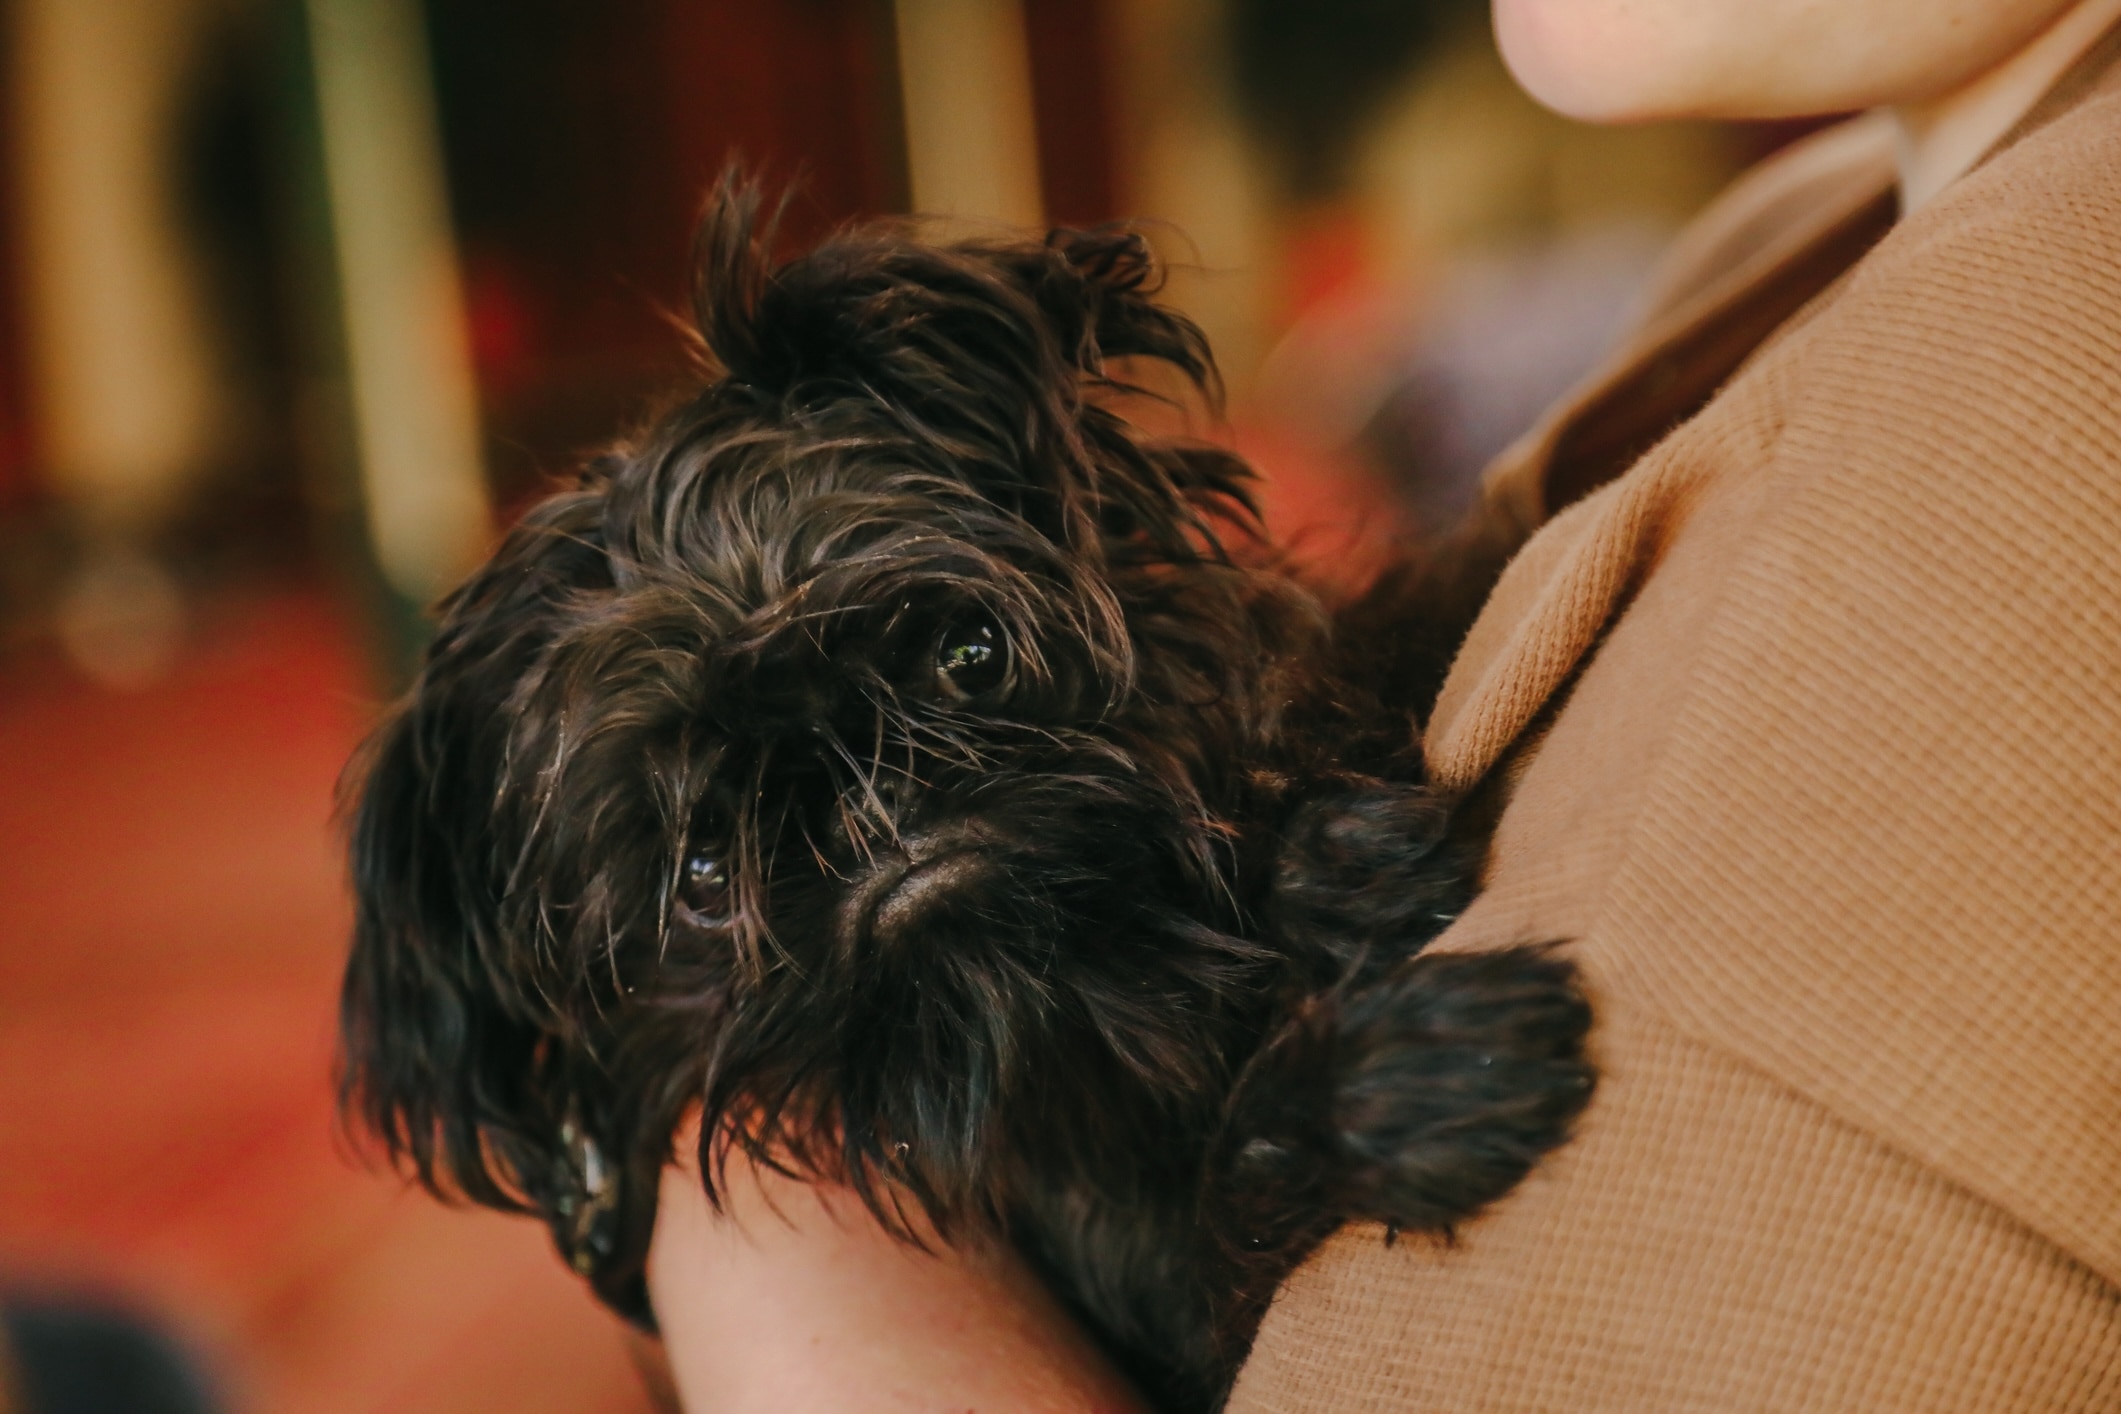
823, 860
611, 956
876, 760
864, 775
857, 839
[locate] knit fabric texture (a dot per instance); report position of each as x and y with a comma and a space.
1812, 720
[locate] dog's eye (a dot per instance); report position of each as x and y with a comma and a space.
971, 660
703, 892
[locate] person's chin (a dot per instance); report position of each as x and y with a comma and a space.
1620, 61
1574, 58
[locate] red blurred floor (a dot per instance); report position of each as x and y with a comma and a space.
171, 924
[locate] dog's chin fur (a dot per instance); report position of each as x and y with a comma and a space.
902, 758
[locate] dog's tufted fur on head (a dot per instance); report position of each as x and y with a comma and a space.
904, 757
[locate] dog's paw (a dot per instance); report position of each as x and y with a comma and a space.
1368, 873
1451, 1078
1415, 1100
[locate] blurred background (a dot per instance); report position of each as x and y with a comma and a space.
300, 299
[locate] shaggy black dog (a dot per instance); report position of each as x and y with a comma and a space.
904, 756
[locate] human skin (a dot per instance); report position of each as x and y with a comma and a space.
1955, 74
794, 1299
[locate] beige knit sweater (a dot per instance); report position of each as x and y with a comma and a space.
1811, 719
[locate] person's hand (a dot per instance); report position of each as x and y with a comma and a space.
794, 1298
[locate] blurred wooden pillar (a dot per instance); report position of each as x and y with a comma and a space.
18, 484
971, 137
1185, 163
123, 365
405, 354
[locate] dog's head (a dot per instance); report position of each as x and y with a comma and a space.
853, 754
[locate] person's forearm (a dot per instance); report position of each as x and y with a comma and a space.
794, 1298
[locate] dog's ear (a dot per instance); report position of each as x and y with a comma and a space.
990, 358
875, 307
440, 1038
1172, 495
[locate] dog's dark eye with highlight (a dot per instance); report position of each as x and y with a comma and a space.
704, 895
971, 661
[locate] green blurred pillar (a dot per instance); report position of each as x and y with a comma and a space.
390, 407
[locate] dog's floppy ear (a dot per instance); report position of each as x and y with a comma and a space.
1175, 495
875, 307
440, 1053
990, 355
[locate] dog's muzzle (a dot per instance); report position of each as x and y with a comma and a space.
909, 884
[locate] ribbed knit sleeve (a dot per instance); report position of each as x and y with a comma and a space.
1880, 853
1812, 728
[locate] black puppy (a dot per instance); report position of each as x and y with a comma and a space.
903, 756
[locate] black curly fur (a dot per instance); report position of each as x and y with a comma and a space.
1102, 931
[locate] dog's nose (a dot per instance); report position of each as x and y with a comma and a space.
915, 892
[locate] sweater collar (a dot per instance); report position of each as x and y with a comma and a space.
1790, 233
